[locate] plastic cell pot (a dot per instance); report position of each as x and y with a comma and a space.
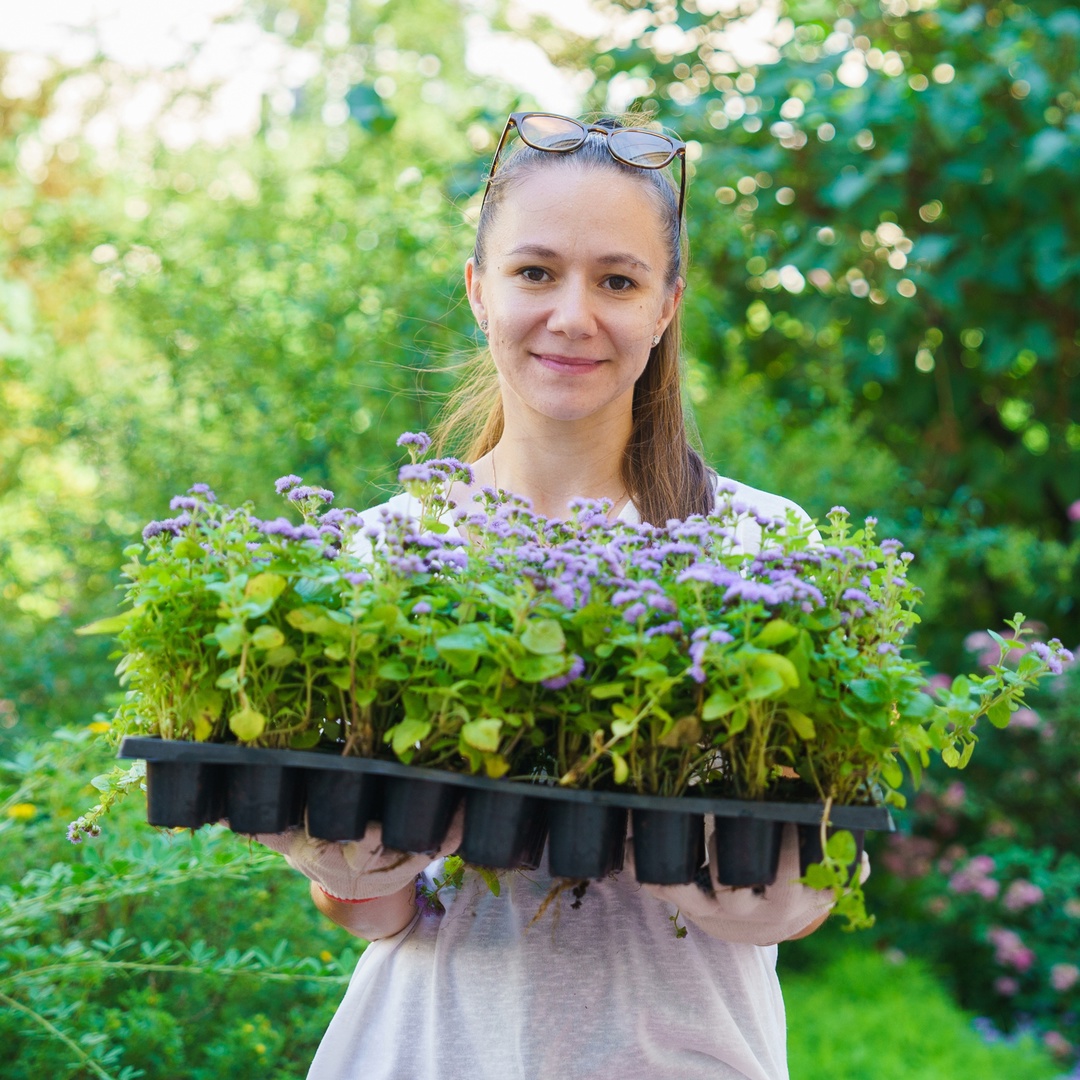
810, 847
586, 840
668, 846
341, 803
184, 794
417, 812
264, 798
747, 850
504, 830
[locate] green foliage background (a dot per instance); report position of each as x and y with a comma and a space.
882, 312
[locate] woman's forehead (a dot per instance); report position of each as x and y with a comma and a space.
551, 207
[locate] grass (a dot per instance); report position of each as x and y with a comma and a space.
861, 1016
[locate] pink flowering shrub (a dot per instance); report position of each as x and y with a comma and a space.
985, 875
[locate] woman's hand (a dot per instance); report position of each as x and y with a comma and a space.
761, 916
362, 886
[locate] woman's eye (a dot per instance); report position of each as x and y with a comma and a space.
618, 283
533, 273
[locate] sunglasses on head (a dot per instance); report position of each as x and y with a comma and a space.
637, 147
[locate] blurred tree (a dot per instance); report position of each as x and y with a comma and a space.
883, 219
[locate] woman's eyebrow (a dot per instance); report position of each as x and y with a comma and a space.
618, 258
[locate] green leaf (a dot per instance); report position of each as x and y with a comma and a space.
462, 648
483, 734
393, 670
282, 656
649, 670
870, 691
267, 637
247, 724
718, 703
999, 713
265, 586
229, 680
490, 879
775, 632
532, 669
304, 740
495, 765
543, 636
621, 771
606, 691
405, 734
341, 678
841, 847
764, 683
801, 724
112, 625
621, 728
739, 719
230, 637
783, 667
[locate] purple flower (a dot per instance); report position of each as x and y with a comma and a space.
1053, 655
172, 526
299, 493
204, 491
572, 674
668, 629
635, 612
286, 483
421, 607
357, 577
838, 510
419, 439
857, 596
890, 547
1064, 977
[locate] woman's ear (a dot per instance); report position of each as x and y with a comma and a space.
474, 291
671, 305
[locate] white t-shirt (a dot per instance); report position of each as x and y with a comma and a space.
606, 990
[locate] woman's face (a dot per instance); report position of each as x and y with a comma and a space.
573, 288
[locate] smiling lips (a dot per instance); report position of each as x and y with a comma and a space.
574, 365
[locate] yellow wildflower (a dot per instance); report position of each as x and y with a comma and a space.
22, 811
99, 727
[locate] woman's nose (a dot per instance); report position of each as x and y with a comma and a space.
572, 313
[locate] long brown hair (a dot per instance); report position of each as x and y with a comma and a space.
663, 473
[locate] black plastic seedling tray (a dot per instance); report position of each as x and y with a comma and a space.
506, 822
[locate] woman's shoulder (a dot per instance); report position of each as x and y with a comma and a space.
754, 506
402, 504
755, 500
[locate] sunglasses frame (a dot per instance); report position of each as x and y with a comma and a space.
678, 149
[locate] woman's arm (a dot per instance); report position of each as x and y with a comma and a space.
380, 917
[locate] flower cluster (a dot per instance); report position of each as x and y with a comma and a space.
484, 636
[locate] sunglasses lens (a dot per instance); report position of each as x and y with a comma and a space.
646, 149
551, 132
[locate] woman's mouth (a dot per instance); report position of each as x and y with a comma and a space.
571, 365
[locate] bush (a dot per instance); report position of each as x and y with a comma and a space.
984, 877
119, 958
861, 1014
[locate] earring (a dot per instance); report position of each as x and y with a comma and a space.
656, 341
484, 325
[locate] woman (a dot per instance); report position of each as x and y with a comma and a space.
576, 280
